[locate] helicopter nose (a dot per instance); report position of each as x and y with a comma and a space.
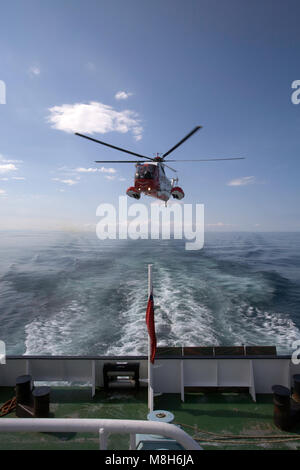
143, 185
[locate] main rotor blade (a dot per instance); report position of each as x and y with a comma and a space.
121, 161
208, 160
170, 168
113, 146
181, 142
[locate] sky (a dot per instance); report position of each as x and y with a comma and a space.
141, 75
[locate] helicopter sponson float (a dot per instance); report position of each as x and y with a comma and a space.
150, 177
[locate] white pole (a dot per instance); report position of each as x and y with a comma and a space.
150, 371
102, 439
105, 426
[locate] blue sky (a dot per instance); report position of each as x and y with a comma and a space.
227, 66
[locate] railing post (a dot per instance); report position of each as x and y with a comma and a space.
93, 378
102, 439
132, 442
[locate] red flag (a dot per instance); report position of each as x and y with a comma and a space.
151, 327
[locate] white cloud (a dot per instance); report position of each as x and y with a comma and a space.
34, 71
86, 170
2, 192
242, 181
122, 95
7, 167
94, 117
107, 170
109, 177
95, 170
18, 178
68, 181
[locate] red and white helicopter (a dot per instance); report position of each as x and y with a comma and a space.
150, 178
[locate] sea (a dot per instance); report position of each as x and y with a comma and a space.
69, 293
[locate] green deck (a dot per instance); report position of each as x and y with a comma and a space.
222, 413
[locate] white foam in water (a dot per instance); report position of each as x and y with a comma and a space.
133, 334
98, 304
182, 320
254, 326
55, 335
174, 324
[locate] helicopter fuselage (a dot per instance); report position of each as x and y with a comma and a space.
150, 179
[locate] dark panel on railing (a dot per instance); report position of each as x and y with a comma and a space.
168, 351
198, 351
229, 351
261, 350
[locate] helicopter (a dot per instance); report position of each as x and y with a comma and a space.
150, 177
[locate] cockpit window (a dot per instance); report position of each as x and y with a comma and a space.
145, 171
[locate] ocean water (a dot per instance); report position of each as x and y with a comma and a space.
72, 294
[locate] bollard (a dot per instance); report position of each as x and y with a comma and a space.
41, 400
295, 402
282, 410
296, 394
23, 389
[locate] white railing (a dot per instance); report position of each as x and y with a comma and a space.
102, 426
170, 375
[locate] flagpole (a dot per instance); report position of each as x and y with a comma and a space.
150, 377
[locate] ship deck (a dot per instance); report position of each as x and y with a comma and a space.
212, 417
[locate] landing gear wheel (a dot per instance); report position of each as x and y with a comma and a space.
133, 192
177, 193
